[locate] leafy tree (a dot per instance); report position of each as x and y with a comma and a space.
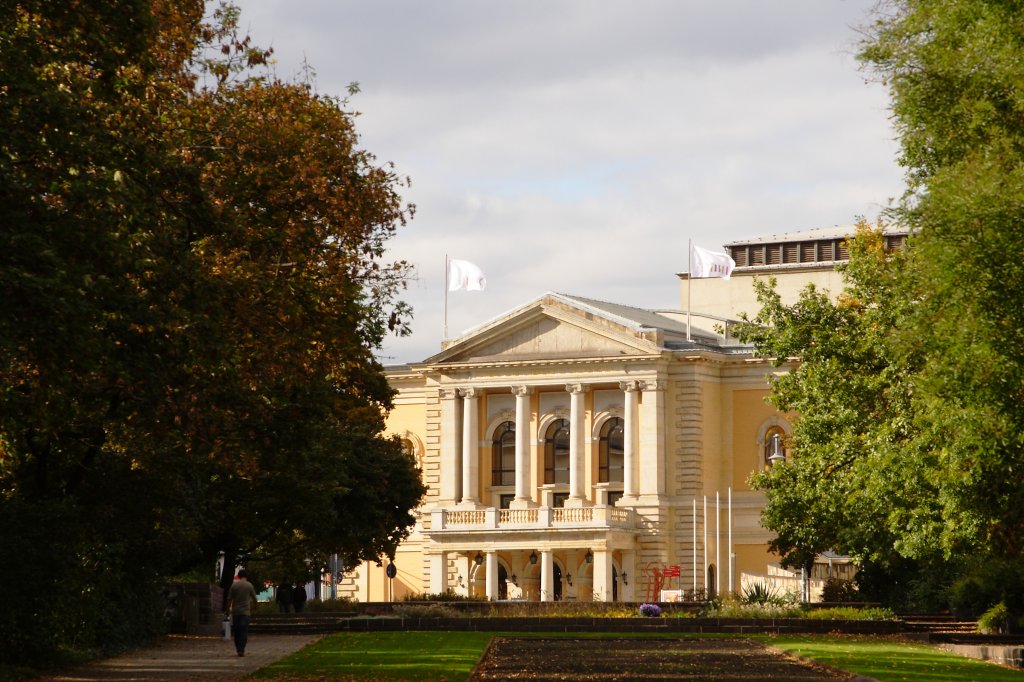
861, 478
194, 277
910, 438
294, 300
956, 73
850, 396
74, 511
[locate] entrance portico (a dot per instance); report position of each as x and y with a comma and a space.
548, 574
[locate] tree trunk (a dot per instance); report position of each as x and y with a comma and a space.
227, 576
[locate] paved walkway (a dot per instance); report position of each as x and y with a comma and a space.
187, 657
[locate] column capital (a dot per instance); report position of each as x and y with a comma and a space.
522, 390
469, 392
652, 385
575, 388
448, 393
631, 385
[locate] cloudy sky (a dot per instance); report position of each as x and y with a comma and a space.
576, 145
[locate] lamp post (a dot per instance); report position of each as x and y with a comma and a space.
777, 453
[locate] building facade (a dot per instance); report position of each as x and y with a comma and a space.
580, 449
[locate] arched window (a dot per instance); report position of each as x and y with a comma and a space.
774, 446
610, 458
556, 452
503, 454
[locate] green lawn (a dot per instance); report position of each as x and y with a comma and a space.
450, 656
427, 656
892, 660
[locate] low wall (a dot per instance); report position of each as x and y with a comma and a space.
598, 624
512, 607
1012, 656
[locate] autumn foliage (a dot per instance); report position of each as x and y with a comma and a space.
194, 283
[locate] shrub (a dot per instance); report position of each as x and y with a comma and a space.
737, 609
342, 603
850, 613
449, 595
426, 611
970, 597
562, 609
650, 610
839, 590
995, 621
762, 593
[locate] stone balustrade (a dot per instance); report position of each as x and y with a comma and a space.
536, 517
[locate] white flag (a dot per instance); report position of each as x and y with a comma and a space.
464, 275
704, 263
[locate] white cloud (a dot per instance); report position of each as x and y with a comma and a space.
575, 146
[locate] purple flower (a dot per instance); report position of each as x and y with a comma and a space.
650, 610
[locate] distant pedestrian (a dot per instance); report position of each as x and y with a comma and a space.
284, 597
299, 598
241, 602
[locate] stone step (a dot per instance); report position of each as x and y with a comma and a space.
298, 623
937, 623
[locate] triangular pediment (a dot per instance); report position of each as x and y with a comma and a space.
551, 327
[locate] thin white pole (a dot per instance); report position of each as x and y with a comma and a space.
718, 545
447, 270
695, 546
732, 584
689, 283
704, 522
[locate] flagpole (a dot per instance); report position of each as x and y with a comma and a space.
689, 283
732, 587
695, 547
447, 270
718, 545
704, 525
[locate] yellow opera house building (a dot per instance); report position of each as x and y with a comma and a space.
576, 449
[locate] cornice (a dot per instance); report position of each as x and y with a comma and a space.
541, 362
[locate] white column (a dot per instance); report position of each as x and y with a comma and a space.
522, 499
470, 448
602, 575
629, 440
652, 440
491, 585
451, 448
438, 572
547, 576
576, 432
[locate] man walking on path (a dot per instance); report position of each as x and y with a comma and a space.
241, 602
